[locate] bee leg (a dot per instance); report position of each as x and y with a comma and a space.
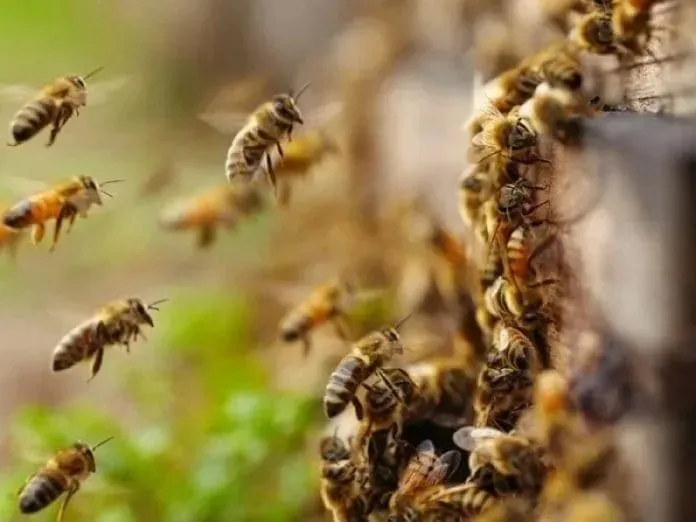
389, 385
71, 222
67, 210
37, 233
96, 363
270, 174
341, 326
306, 344
359, 411
279, 148
74, 488
206, 236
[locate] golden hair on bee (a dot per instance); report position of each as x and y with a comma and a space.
559, 65
63, 473
265, 128
594, 33
221, 206
118, 322
66, 200
475, 187
367, 357
512, 87
54, 105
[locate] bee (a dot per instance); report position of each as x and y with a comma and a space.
553, 111
209, 210
476, 495
504, 140
445, 388
63, 473
502, 394
366, 358
66, 200
594, 32
325, 304
631, 25
559, 65
54, 105
382, 409
515, 348
513, 87
475, 188
424, 474
510, 455
300, 155
387, 457
266, 127
505, 300
340, 481
118, 322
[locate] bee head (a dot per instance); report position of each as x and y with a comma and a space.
78, 81
471, 183
286, 109
92, 190
139, 311
86, 451
601, 31
522, 136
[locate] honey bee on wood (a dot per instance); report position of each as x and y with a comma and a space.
325, 304
54, 105
504, 140
63, 473
218, 207
340, 481
424, 473
300, 155
270, 123
510, 455
382, 409
64, 201
118, 322
367, 357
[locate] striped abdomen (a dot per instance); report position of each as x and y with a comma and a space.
78, 345
34, 210
343, 383
41, 490
518, 252
494, 299
246, 152
307, 316
33, 117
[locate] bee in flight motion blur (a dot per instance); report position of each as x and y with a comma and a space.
118, 322
367, 357
63, 473
66, 200
218, 207
265, 128
54, 105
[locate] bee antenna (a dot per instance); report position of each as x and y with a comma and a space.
111, 181
101, 443
300, 91
153, 305
92, 73
402, 321
105, 193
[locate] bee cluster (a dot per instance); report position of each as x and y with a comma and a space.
495, 430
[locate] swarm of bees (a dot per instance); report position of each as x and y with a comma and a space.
492, 431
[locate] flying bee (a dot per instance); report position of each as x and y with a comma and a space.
270, 123
554, 111
382, 409
474, 189
118, 322
424, 473
218, 207
367, 357
504, 140
66, 200
63, 473
325, 304
300, 155
339, 480
54, 105
510, 455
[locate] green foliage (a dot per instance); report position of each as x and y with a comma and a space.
213, 442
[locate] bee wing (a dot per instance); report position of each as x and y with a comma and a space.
225, 122
101, 92
469, 438
15, 94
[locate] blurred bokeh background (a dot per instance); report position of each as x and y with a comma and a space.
213, 418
